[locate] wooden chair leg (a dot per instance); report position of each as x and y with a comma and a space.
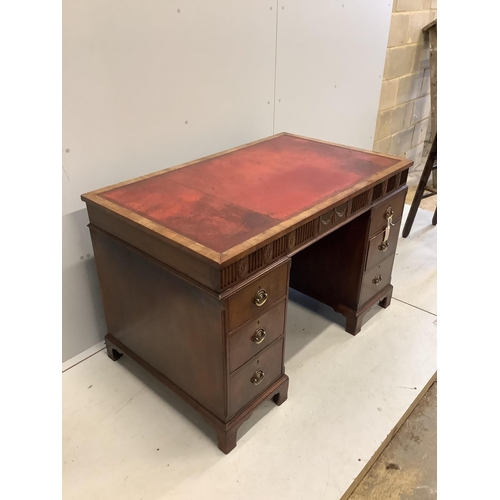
421, 187
435, 217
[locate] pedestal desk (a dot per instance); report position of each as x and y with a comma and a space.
195, 261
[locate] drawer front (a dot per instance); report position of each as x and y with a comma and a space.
257, 296
394, 203
378, 252
333, 217
326, 221
340, 213
376, 278
252, 338
255, 376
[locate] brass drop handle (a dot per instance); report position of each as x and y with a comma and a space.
327, 220
259, 336
257, 377
260, 298
383, 246
377, 279
385, 241
340, 212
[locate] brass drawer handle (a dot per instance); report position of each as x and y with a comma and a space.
377, 279
259, 336
257, 377
385, 243
327, 220
340, 213
384, 246
260, 298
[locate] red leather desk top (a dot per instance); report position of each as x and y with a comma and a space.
223, 201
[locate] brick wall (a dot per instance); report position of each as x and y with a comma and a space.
404, 109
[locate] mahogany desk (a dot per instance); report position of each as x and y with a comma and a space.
194, 262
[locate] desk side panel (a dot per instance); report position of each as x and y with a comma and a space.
169, 323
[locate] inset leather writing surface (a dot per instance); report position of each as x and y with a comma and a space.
203, 218
277, 178
223, 201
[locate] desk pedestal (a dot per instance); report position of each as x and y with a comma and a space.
223, 354
350, 269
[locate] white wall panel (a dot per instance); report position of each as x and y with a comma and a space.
331, 56
134, 72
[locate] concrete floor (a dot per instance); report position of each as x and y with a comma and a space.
407, 468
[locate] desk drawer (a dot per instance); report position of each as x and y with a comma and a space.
375, 279
249, 340
379, 212
255, 376
376, 253
257, 296
333, 217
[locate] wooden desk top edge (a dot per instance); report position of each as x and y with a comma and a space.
211, 256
